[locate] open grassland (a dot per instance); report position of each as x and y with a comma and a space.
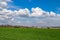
29, 34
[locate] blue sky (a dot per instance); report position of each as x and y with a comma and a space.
48, 5
30, 12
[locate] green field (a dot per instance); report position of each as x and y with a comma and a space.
29, 34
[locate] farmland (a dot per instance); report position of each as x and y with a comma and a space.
29, 34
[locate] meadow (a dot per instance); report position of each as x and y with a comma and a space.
29, 34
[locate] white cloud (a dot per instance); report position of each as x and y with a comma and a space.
23, 17
35, 17
3, 5
37, 12
23, 12
52, 14
58, 15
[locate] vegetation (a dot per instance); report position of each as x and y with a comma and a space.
10, 33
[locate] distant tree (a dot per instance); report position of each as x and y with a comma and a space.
48, 27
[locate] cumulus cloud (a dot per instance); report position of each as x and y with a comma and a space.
37, 11
35, 17
23, 12
24, 17
3, 5
52, 14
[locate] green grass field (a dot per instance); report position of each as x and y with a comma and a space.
29, 34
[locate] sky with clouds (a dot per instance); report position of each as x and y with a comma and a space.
30, 12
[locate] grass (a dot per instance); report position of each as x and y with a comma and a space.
29, 34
